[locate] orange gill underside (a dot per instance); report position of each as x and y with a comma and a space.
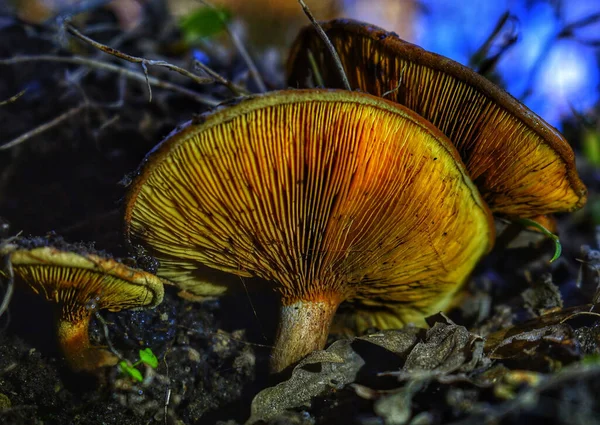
323, 193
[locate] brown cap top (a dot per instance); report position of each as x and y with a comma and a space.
81, 281
316, 191
522, 166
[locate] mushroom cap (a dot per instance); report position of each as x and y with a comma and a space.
522, 166
81, 282
323, 193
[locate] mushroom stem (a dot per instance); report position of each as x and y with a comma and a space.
74, 342
303, 328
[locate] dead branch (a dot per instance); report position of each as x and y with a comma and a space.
133, 75
234, 88
107, 336
246, 57
325, 39
142, 61
44, 127
241, 49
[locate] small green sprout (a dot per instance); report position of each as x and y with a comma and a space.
557, 246
147, 357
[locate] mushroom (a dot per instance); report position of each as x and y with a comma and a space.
521, 165
328, 195
80, 282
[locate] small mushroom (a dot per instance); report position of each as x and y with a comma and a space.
327, 195
521, 165
80, 282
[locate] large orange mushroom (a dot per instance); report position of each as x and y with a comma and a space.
521, 165
328, 195
80, 281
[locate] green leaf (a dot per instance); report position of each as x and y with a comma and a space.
147, 357
557, 246
591, 146
131, 371
591, 359
204, 22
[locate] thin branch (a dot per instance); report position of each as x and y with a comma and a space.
253, 308
44, 127
13, 98
315, 69
249, 62
241, 49
568, 29
480, 60
107, 336
144, 62
394, 90
325, 39
566, 32
234, 88
145, 68
133, 75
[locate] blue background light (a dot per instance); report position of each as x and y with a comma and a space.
552, 75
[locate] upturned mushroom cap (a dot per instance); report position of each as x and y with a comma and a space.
80, 282
521, 165
328, 195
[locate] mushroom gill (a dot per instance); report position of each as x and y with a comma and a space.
328, 195
521, 165
80, 282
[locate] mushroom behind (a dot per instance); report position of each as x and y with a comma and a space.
328, 195
521, 165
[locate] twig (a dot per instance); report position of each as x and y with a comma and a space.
144, 62
46, 126
568, 29
494, 414
480, 60
325, 39
249, 62
394, 90
167, 400
168, 393
13, 98
240, 47
114, 42
7, 266
133, 75
226, 335
315, 69
106, 336
252, 306
234, 88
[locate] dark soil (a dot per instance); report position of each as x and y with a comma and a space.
213, 356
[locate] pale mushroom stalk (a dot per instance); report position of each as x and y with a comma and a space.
303, 328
